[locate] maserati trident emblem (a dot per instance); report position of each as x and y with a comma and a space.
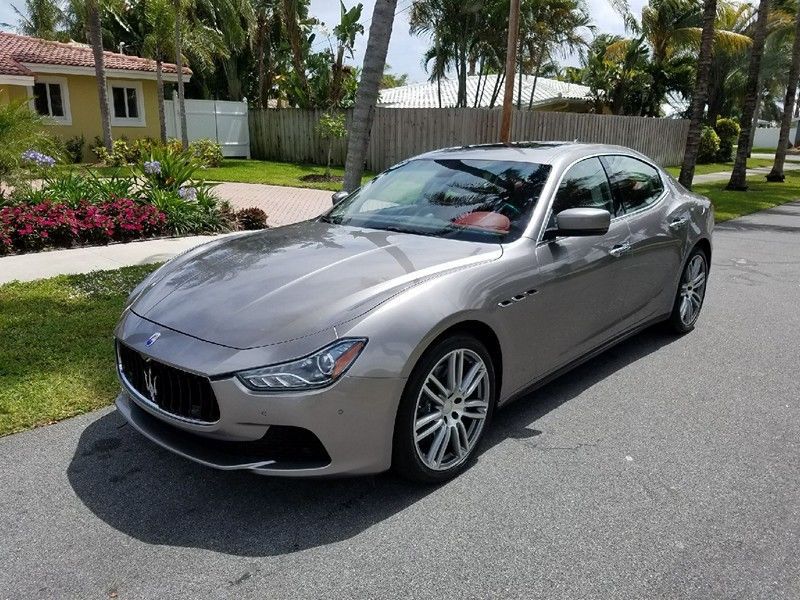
152, 339
150, 384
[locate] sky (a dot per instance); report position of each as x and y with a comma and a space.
405, 50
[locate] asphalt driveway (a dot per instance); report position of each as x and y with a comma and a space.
666, 468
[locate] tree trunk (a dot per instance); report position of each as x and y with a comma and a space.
756, 116
539, 58
328, 164
95, 34
337, 77
738, 179
162, 117
260, 34
776, 174
700, 94
179, 67
380, 32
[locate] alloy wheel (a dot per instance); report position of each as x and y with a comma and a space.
693, 288
451, 409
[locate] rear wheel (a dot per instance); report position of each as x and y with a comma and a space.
691, 293
445, 409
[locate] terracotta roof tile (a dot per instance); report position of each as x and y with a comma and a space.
16, 49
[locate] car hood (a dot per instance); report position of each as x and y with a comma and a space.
280, 284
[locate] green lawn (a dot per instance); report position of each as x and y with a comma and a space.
274, 173
759, 196
57, 354
252, 171
720, 167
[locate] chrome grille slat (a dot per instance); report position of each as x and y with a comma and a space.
178, 392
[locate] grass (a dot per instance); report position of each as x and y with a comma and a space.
760, 195
57, 355
252, 171
721, 167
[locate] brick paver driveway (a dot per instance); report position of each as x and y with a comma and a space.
283, 205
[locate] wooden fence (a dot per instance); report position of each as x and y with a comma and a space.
290, 134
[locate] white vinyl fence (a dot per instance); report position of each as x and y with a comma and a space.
767, 137
218, 120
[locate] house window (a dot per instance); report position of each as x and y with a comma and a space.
127, 108
50, 98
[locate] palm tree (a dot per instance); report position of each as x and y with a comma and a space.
776, 174
346, 31
266, 33
738, 179
699, 94
380, 32
157, 44
94, 31
292, 13
178, 8
41, 18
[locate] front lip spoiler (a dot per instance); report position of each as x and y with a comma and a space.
198, 449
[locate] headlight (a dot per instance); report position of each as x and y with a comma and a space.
316, 370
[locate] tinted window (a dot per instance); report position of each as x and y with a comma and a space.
56, 105
120, 110
635, 184
584, 185
461, 198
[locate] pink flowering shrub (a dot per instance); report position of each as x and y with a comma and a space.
26, 227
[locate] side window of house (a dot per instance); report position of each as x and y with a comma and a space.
48, 99
634, 183
125, 102
584, 185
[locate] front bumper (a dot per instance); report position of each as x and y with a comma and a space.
353, 419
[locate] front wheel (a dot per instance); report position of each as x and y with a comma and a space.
444, 411
691, 293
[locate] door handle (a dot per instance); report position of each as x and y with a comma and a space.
678, 223
620, 249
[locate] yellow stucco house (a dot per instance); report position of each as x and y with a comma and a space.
58, 80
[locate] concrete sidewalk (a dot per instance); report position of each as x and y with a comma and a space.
725, 175
39, 265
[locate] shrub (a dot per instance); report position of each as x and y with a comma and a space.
207, 151
331, 127
709, 146
728, 131
164, 169
21, 130
74, 147
48, 224
251, 218
121, 154
71, 189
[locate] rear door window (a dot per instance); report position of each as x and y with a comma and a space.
634, 183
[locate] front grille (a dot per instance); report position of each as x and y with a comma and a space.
174, 391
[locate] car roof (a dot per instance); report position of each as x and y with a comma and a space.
534, 152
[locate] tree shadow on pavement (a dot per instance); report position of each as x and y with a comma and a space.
154, 496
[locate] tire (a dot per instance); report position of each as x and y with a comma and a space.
438, 427
682, 321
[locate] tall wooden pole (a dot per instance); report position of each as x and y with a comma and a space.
511, 63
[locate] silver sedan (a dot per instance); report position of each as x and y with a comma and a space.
385, 333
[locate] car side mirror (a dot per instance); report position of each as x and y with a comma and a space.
582, 222
339, 196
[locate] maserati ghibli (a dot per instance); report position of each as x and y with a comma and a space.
386, 332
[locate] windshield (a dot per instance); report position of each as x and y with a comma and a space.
483, 200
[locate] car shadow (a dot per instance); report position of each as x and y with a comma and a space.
154, 496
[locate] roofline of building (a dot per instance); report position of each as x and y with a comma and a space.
26, 80
111, 73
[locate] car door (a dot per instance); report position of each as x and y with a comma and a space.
656, 241
578, 277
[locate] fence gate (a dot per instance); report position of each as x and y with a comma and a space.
220, 120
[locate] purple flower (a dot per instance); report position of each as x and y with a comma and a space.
41, 160
152, 167
188, 193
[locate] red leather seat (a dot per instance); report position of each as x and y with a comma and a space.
491, 221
